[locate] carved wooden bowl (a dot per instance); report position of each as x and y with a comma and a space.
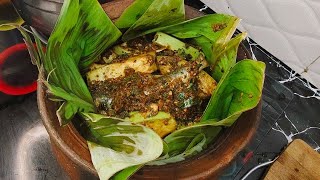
73, 154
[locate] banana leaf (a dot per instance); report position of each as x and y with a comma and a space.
119, 144
211, 26
210, 32
83, 31
159, 14
227, 57
187, 142
132, 13
238, 91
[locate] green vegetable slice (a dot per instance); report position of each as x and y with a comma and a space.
176, 45
159, 14
83, 31
138, 117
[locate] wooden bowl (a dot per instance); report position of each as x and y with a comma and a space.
73, 154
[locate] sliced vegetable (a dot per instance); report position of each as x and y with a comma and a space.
144, 63
162, 127
176, 45
162, 123
119, 144
210, 32
139, 117
206, 84
119, 50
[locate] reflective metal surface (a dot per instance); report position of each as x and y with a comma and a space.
25, 151
41, 14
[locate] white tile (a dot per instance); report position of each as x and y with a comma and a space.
293, 16
306, 48
275, 42
312, 78
315, 66
288, 29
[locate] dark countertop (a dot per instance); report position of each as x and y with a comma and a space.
290, 110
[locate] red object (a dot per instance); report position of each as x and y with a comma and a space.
4, 86
247, 157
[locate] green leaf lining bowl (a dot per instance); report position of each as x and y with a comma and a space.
73, 154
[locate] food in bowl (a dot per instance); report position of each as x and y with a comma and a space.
161, 94
145, 78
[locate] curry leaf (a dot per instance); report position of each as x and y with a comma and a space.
119, 144
240, 90
159, 14
82, 32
